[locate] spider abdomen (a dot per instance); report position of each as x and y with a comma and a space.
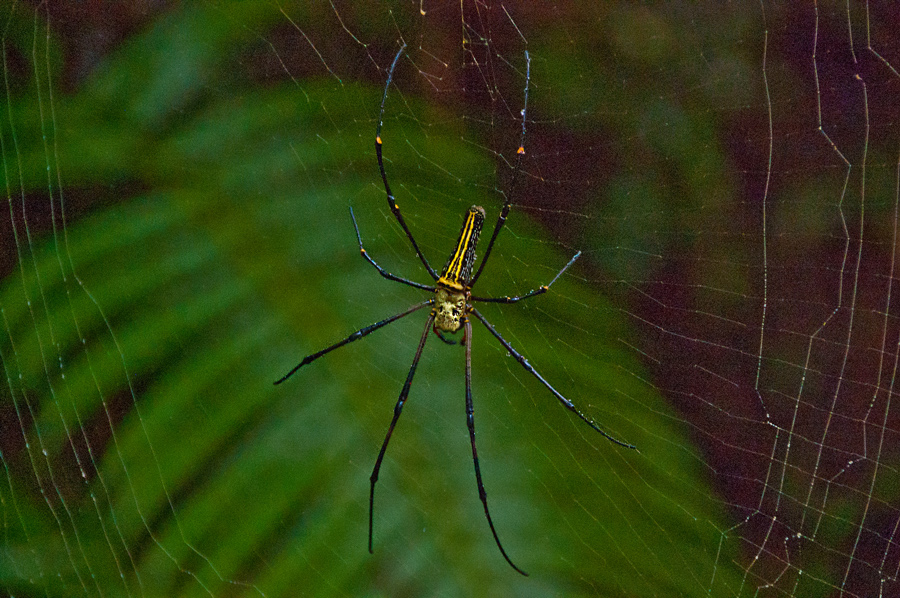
458, 271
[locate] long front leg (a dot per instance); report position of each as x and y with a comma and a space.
397, 409
566, 402
470, 422
353, 337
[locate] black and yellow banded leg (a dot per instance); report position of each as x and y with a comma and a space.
392, 202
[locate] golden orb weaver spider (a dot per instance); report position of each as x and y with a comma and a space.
451, 306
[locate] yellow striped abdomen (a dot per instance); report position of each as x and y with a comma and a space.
458, 270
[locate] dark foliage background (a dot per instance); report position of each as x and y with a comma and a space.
178, 177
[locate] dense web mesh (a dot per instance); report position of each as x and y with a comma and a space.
177, 237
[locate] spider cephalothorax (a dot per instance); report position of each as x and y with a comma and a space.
449, 310
451, 306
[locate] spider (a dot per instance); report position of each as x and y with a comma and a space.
451, 305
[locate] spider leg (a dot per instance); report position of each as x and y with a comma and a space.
397, 409
566, 402
441, 336
470, 422
355, 336
392, 203
538, 291
381, 270
504, 212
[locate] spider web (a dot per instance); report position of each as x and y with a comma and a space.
177, 237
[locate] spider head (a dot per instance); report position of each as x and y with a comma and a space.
449, 309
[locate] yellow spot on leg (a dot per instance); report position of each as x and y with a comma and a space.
521, 150
378, 139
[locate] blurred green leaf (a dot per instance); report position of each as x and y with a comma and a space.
182, 303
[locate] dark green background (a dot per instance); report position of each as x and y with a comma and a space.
203, 167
